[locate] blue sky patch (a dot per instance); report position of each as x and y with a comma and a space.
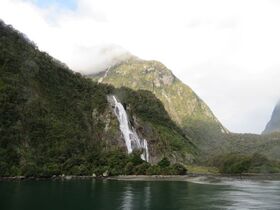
65, 4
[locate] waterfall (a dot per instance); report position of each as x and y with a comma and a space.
145, 155
131, 138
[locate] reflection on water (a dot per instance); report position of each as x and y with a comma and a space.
127, 198
136, 196
147, 193
128, 195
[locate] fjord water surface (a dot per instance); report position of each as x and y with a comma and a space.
128, 195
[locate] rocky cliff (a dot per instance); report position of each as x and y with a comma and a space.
274, 124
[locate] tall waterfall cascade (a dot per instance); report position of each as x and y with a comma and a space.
131, 138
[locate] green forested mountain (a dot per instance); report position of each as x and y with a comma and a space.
189, 112
179, 100
55, 121
274, 124
183, 105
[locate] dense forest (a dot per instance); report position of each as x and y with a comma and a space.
54, 121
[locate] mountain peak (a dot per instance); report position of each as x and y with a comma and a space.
274, 123
153, 71
179, 100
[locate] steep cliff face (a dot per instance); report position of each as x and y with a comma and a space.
55, 121
274, 123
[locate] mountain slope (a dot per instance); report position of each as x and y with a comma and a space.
54, 121
187, 110
181, 103
274, 123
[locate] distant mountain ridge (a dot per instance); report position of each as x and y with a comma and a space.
274, 124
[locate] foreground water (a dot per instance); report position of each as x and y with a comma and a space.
111, 194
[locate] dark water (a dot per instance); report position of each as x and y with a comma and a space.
110, 194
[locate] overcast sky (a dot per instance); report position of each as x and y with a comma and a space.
227, 51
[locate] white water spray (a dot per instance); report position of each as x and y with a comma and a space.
131, 138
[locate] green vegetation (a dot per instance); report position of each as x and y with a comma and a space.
157, 125
188, 112
134, 165
46, 125
54, 121
184, 107
239, 164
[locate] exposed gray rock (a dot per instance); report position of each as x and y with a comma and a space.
105, 174
274, 123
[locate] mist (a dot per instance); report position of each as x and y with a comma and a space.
98, 58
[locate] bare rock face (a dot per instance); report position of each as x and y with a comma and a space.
274, 123
167, 79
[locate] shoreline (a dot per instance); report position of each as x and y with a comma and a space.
192, 177
187, 177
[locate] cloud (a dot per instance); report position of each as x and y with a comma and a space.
227, 51
98, 58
